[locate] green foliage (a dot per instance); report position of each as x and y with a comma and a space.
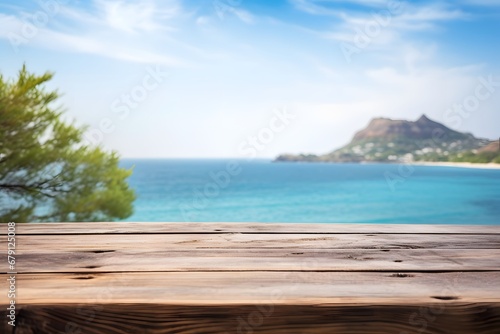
46, 172
483, 157
433, 156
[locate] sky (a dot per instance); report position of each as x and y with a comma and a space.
255, 78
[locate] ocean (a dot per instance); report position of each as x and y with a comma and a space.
223, 190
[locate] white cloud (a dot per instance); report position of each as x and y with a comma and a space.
385, 32
133, 17
79, 43
433, 12
311, 7
409, 19
203, 20
101, 30
392, 21
243, 15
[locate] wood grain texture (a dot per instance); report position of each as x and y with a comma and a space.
254, 287
273, 228
274, 259
169, 242
456, 318
254, 278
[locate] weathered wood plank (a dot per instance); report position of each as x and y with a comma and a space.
456, 318
284, 288
274, 228
166, 242
216, 278
260, 260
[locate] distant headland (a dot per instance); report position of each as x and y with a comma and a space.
423, 140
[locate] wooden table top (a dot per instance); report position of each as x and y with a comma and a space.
254, 278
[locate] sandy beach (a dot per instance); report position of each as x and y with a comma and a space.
458, 164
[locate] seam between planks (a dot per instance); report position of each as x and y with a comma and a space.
406, 271
265, 233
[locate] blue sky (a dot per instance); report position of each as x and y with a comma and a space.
207, 78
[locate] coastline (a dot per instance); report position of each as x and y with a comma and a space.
458, 164
490, 165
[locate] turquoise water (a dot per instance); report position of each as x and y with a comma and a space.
262, 191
